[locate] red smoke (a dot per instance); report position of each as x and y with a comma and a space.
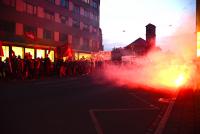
157, 70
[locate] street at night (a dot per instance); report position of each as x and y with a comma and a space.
99, 67
77, 105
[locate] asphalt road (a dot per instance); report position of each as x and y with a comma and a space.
77, 105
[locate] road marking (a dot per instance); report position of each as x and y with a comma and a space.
144, 101
164, 119
96, 122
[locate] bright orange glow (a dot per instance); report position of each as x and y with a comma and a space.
84, 55
40, 53
180, 80
159, 71
31, 51
6, 52
51, 55
18, 51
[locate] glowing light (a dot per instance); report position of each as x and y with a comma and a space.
31, 51
40, 53
6, 52
180, 80
198, 44
18, 51
51, 55
162, 73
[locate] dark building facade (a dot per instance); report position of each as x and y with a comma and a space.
42, 27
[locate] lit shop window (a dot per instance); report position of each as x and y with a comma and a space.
84, 56
50, 55
40, 53
31, 51
6, 52
198, 44
76, 56
18, 51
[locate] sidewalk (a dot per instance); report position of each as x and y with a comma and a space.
185, 116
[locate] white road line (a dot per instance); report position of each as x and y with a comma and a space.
96, 122
165, 118
144, 101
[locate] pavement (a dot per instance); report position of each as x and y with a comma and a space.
185, 115
80, 105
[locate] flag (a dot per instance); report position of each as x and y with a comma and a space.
1, 49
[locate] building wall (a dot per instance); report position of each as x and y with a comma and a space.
55, 20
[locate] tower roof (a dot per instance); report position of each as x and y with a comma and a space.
150, 25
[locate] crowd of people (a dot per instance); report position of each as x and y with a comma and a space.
39, 68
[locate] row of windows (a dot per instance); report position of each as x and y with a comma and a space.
21, 52
49, 35
9, 27
32, 10
65, 3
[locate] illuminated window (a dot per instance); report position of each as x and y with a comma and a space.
6, 52
198, 44
84, 56
76, 56
40, 53
31, 51
18, 51
50, 55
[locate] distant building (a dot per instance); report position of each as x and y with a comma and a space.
141, 46
42, 27
137, 47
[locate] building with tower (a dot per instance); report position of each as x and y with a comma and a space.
141, 46
41, 27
